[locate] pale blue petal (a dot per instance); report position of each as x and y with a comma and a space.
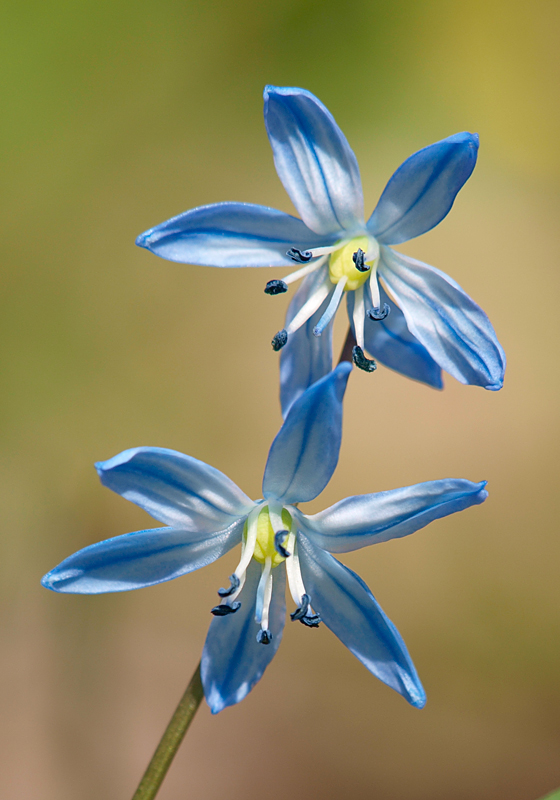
175, 489
391, 343
232, 660
372, 518
455, 331
421, 192
348, 608
313, 160
304, 453
305, 358
231, 235
140, 559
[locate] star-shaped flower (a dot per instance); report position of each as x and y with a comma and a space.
433, 324
208, 515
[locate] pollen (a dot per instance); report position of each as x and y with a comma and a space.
342, 264
264, 547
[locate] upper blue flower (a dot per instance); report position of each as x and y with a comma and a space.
433, 324
207, 515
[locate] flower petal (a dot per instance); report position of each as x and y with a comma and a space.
313, 160
175, 489
140, 559
371, 518
348, 608
305, 358
421, 192
304, 454
392, 344
455, 331
231, 235
233, 661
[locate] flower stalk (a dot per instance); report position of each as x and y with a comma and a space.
171, 739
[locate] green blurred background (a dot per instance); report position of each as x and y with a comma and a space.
117, 115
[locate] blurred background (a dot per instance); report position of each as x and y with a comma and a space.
117, 115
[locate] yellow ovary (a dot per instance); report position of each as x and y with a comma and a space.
341, 263
264, 547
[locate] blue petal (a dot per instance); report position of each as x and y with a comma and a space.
392, 344
233, 661
372, 518
348, 608
304, 454
455, 331
175, 489
305, 358
140, 559
231, 235
313, 160
421, 192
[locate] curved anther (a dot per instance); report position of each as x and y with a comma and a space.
276, 287
300, 612
264, 637
279, 339
312, 621
377, 314
224, 609
300, 256
359, 260
279, 538
233, 586
359, 359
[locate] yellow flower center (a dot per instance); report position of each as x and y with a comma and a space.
341, 263
264, 547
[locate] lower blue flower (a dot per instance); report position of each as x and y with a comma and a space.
205, 515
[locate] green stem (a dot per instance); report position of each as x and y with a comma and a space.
171, 739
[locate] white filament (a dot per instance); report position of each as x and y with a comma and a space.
309, 308
332, 307
359, 316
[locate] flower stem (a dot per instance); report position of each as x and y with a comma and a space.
171, 739
346, 352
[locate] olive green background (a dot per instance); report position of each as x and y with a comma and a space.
117, 115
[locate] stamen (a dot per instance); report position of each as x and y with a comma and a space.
379, 313
247, 550
224, 609
233, 586
301, 273
300, 612
278, 543
374, 289
332, 307
358, 317
276, 287
279, 339
309, 308
264, 593
301, 256
359, 359
359, 260
264, 636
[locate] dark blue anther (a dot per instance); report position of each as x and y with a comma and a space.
359, 359
278, 539
312, 621
223, 610
378, 314
276, 287
300, 612
279, 340
264, 637
358, 259
301, 256
233, 585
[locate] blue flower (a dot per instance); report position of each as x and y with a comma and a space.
207, 515
433, 324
